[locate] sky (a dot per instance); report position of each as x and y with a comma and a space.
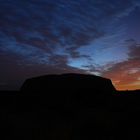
99, 37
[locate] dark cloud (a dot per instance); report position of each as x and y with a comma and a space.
58, 23
135, 52
14, 70
126, 74
41, 36
58, 60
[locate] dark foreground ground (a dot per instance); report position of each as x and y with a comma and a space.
37, 117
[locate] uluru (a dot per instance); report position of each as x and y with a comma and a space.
68, 81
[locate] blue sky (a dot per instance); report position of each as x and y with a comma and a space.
58, 36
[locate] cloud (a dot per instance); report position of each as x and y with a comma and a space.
49, 24
14, 70
126, 74
134, 52
44, 35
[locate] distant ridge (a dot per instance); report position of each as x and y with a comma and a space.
67, 81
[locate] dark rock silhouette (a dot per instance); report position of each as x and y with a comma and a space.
70, 90
72, 103
69, 81
69, 107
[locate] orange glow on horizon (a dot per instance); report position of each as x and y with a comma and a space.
133, 86
125, 75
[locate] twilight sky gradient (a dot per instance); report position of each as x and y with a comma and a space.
99, 37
